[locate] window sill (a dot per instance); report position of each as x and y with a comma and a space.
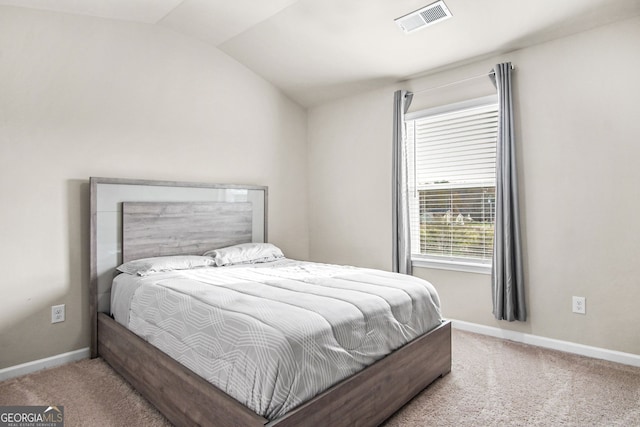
454, 265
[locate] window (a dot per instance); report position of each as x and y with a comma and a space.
452, 181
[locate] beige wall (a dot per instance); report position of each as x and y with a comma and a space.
83, 97
578, 120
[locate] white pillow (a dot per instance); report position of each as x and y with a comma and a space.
245, 253
146, 266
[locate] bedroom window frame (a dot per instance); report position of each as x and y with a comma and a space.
446, 262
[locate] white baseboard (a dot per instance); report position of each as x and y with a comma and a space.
49, 362
566, 346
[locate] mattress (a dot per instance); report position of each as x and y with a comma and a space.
276, 334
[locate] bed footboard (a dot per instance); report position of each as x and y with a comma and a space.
374, 394
365, 399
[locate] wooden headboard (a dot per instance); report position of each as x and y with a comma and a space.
132, 219
151, 229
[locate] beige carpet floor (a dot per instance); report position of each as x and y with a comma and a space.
492, 383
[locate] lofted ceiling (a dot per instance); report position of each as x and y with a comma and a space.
318, 50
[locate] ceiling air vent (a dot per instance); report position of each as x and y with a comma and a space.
424, 17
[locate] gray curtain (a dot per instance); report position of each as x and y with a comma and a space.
507, 275
401, 228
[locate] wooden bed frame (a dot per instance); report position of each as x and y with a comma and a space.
365, 399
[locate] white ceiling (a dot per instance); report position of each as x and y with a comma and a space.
317, 50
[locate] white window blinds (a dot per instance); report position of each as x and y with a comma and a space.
452, 155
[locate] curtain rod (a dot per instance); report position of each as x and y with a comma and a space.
429, 89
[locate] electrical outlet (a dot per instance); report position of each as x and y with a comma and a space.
57, 313
580, 305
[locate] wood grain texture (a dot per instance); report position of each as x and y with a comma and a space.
365, 399
93, 268
151, 229
186, 184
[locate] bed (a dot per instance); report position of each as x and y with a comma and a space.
133, 219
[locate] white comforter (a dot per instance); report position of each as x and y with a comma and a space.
276, 334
